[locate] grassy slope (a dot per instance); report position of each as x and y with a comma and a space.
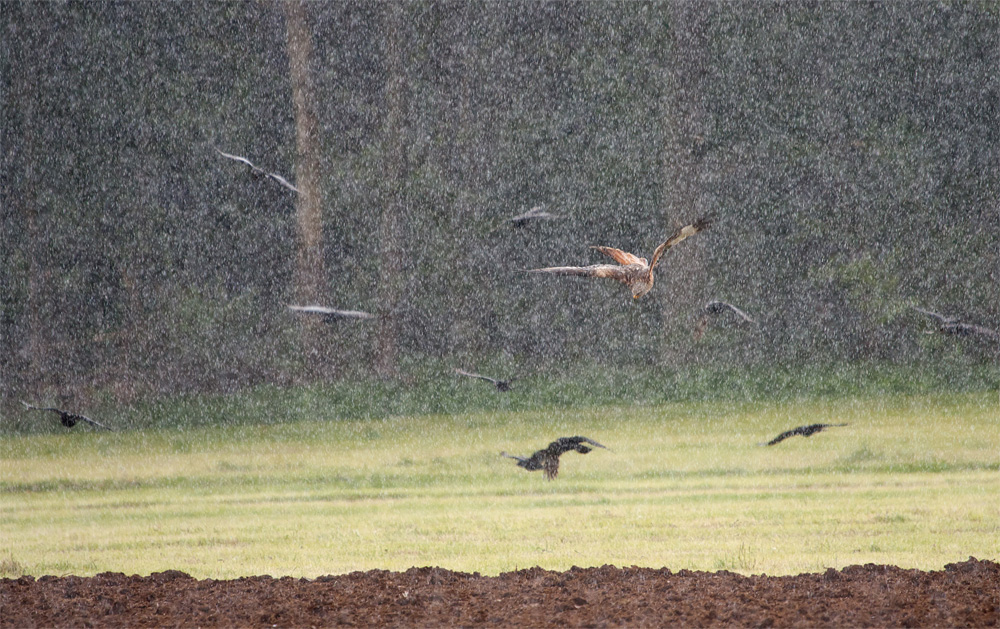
912, 481
433, 389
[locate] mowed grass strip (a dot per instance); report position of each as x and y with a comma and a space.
912, 481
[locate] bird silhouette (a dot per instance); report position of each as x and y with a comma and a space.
502, 385
718, 308
548, 458
536, 213
257, 171
805, 431
66, 418
956, 327
634, 272
332, 314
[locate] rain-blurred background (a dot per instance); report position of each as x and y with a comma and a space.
849, 152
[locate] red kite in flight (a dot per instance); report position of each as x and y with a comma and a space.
631, 270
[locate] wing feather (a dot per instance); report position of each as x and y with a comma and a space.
332, 313
593, 443
681, 234
783, 436
965, 329
242, 160
469, 374
612, 271
621, 257
718, 306
551, 466
91, 421
942, 319
282, 181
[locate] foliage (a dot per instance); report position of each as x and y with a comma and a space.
427, 389
850, 153
687, 485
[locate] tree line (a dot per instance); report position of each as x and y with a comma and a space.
848, 152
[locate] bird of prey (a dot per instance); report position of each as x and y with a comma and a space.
631, 270
65, 417
502, 385
716, 307
805, 431
259, 172
331, 314
548, 459
955, 326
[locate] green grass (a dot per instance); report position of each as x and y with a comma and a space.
913, 481
433, 389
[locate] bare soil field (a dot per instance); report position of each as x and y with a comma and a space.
965, 594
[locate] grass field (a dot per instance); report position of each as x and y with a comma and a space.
912, 481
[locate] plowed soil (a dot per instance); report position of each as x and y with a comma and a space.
964, 594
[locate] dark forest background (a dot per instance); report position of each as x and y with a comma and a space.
850, 153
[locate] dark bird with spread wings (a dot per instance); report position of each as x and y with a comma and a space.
502, 385
548, 459
805, 431
332, 314
65, 417
956, 327
257, 171
536, 213
631, 270
719, 308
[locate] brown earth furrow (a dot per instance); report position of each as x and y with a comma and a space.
965, 594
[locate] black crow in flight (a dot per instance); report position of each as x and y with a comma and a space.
65, 417
717, 307
548, 459
502, 385
258, 171
331, 314
805, 431
955, 326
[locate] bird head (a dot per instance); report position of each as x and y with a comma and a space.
638, 290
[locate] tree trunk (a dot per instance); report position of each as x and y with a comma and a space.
36, 344
310, 274
684, 123
395, 200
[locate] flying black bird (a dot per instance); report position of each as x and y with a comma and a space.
521, 220
631, 270
259, 172
502, 385
65, 417
534, 214
548, 459
955, 326
716, 307
805, 431
332, 314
